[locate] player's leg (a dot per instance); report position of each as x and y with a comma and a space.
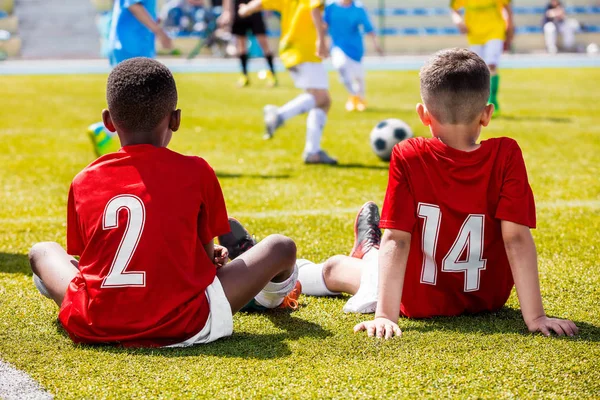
492, 51
356, 274
315, 124
359, 83
339, 274
551, 37
241, 43
265, 273
339, 61
567, 30
53, 269
259, 30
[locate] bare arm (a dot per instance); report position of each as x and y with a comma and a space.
393, 256
522, 256
216, 253
146, 19
321, 26
228, 10
376, 46
248, 9
457, 20
510, 26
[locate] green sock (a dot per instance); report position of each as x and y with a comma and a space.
495, 82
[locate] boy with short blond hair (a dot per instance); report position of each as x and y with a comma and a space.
457, 217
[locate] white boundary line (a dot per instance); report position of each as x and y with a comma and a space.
544, 205
17, 385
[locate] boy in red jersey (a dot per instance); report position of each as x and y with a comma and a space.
457, 217
143, 221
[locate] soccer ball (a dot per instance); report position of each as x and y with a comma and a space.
387, 134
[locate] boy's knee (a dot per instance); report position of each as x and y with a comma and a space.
322, 98
38, 251
330, 264
283, 246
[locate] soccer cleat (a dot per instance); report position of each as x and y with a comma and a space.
351, 103
361, 105
367, 234
319, 157
272, 121
243, 81
238, 241
290, 302
271, 79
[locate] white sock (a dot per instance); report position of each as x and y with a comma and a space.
310, 276
274, 293
359, 87
299, 105
314, 130
365, 300
37, 281
346, 79
372, 257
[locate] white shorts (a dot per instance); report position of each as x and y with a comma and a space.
220, 319
310, 75
341, 61
490, 51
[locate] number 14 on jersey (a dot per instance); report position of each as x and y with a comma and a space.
465, 255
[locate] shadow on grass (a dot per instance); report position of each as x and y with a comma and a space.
533, 118
14, 263
361, 166
506, 320
240, 345
228, 175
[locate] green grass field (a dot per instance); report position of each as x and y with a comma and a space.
311, 353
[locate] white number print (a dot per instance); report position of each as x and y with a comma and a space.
469, 242
136, 217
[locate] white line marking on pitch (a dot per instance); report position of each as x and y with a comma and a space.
594, 204
15, 384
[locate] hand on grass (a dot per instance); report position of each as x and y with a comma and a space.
221, 255
379, 327
548, 325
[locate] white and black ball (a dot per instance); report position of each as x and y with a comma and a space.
387, 134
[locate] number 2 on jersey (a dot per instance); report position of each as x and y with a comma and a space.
136, 217
469, 242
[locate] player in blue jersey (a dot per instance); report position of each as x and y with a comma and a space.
134, 30
347, 21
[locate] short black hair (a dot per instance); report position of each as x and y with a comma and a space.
455, 86
140, 93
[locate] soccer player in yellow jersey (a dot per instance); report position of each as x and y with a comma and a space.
489, 28
302, 46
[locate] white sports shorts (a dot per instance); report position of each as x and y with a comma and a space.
490, 51
341, 61
310, 75
220, 319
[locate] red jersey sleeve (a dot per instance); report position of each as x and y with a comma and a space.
213, 220
74, 241
399, 206
516, 202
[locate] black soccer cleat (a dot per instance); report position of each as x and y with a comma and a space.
238, 241
367, 234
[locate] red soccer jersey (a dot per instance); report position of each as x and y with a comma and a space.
452, 203
138, 219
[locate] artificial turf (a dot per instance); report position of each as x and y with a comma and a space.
311, 353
